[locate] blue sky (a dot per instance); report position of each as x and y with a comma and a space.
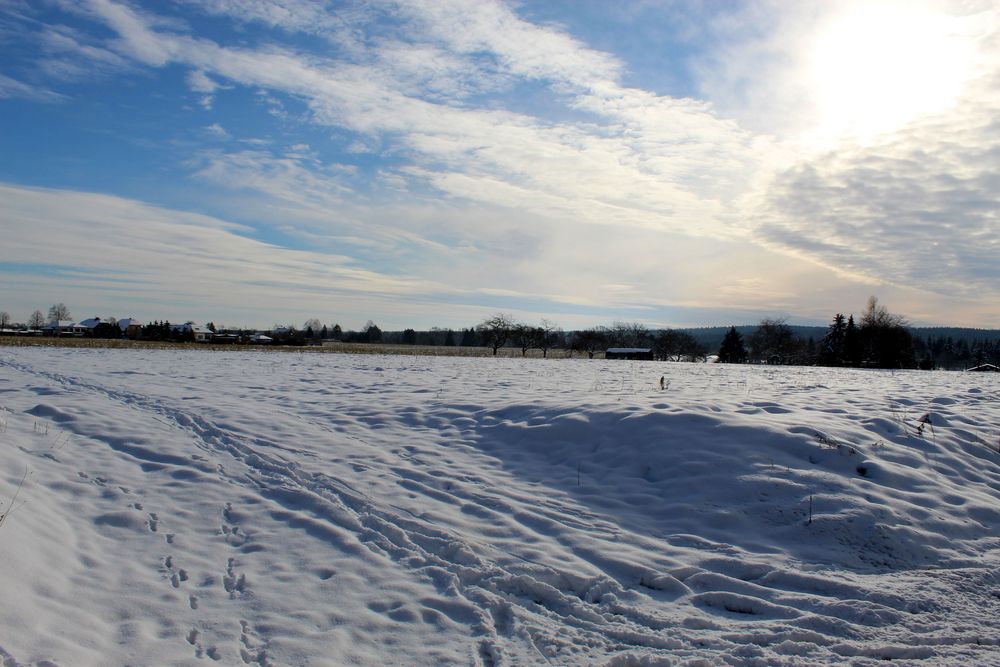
430, 163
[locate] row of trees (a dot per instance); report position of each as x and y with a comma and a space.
877, 339
37, 320
666, 344
880, 340
948, 352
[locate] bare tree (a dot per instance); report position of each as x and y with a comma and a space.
495, 331
58, 312
37, 320
772, 341
549, 336
4, 319
590, 340
878, 316
523, 336
312, 327
629, 334
885, 340
672, 345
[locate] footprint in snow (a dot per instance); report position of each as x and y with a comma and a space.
234, 582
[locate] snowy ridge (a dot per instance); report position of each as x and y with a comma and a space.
274, 509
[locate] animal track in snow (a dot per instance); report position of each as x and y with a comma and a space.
234, 583
176, 576
230, 529
199, 650
252, 648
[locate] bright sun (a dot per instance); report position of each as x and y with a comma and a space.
873, 69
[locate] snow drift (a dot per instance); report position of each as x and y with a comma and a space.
286, 508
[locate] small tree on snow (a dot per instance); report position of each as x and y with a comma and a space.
495, 331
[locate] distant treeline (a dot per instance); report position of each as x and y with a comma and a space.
878, 339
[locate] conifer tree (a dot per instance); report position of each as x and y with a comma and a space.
732, 350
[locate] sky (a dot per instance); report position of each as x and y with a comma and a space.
431, 162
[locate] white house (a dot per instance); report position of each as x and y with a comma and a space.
200, 333
91, 323
64, 328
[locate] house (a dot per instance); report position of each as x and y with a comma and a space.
64, 328
219, 338
643, 353
984, 368
191, 331
97, 327
261, 339
130, 327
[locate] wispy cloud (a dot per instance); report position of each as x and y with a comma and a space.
652, 161
13, 88
473, 139
200, 82
174, 256
921, 207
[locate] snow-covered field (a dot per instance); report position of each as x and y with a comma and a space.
308, 509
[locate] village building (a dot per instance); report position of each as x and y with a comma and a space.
129, 327
641, 353
193, 331
64, 328
984, 368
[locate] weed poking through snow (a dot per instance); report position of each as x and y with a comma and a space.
4, 515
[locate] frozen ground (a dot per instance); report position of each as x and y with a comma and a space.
302, 509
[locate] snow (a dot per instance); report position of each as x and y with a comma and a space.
276, 508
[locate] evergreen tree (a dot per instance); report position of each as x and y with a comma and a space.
372, 334
732, 350
852, 344
469, 338
832, 345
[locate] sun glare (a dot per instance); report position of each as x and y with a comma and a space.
872, 70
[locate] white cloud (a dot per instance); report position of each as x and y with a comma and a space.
492, 190
200, 82
217, 131
166, 256
653, 162
11, 88
69, 56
